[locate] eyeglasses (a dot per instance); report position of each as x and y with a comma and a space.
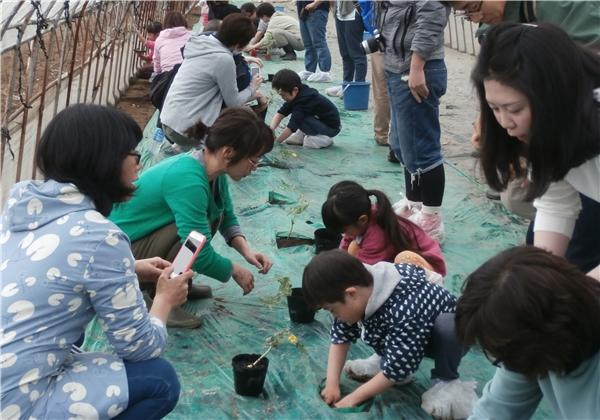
138, 156
493, 360
254, 163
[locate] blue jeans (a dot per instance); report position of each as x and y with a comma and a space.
445, 348
313, 127
314, 35
415, 127
354, 61
153, 389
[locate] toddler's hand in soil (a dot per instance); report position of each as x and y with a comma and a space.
345, 402
331, 395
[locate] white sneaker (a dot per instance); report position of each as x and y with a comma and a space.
363, 369
432, 224
406, 208
296, 139
305, 74
336, 91
319, 141
320, 77
450, 400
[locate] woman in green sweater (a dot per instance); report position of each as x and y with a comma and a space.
190, 192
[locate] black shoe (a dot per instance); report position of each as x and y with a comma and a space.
289, 57
391, 157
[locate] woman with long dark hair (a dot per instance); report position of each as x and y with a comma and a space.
540, 99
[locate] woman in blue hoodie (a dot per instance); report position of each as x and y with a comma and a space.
64, 262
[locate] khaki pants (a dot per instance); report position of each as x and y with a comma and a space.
282, 38
381, 102
163, 243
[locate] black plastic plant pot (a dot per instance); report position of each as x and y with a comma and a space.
326, 239
249, 380
284, 241
299, 311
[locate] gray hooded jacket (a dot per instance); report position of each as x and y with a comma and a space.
411, 26
205, 80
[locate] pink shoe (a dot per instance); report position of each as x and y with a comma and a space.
432, 224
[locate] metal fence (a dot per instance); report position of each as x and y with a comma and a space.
58, 53
460, 34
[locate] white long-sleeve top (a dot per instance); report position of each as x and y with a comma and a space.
559, 207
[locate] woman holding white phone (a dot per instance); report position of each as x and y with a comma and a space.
64, 262
190, 192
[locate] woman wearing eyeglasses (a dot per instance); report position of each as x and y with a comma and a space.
190, 192
64, 262
536, 317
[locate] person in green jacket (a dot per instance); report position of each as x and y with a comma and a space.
537, 318
190, 192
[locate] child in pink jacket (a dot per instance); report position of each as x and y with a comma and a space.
167, 48
374, 233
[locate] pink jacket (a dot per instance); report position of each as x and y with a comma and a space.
167, 48
375, 246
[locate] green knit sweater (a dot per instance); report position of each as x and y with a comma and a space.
177, 190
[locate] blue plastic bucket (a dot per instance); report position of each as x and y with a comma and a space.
356, 95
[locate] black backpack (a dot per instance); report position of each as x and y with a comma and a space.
160, 86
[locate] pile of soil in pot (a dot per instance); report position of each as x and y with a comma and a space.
249, 380
298, 309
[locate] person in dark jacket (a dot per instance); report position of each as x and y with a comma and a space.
221, 9
314, 120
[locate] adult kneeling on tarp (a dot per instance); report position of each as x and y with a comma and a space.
190, 192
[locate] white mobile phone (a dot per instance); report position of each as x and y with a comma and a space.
254, 70
188, 253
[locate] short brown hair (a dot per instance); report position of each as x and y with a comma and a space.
240, 129
533, 311
236, 30
174, 19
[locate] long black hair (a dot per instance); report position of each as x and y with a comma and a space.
348, 200
558, 78
86, 145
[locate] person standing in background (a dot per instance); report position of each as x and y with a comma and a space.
313, 29
350, 28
